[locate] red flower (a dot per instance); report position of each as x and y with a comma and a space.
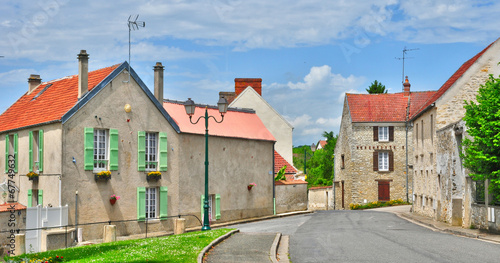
57, 256
61, 257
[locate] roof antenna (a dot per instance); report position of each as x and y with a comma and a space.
133, 24
403, 58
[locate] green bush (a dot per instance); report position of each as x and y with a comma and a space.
377, 204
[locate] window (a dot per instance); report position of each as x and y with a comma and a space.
151, 151
35, 197
343, 163
214, 208
11, 151
100, 149
151, 202
383, 161
432, 129
383, 134
416, 135
422, 135
36, 151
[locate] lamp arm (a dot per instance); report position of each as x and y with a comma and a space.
190, 119
216, 119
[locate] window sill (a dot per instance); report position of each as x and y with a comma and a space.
384, 172
153, 221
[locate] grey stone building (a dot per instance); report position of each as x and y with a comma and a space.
370, 155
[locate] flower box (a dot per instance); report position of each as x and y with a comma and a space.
153, 176
103, 175
32, 176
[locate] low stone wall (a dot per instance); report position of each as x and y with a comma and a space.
320, 198
291, 197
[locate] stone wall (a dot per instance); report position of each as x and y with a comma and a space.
20, 223
291, 197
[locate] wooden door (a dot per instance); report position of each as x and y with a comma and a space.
384, 193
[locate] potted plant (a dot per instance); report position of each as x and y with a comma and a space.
251, 185
32, 176
102, 175
154, 175
113, 199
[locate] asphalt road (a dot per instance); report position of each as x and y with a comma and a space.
370, 236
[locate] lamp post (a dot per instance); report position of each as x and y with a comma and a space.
190, 108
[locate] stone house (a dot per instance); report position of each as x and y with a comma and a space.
68, 130
370, 154
442, 188
248, 94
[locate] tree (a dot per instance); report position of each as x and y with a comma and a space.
320, 167
376, 88
482, 149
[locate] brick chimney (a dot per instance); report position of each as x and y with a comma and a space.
33, 81
240, 84
83, 73
406, 87
158, 81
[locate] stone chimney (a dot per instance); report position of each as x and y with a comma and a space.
158, 79
406, 89
240, 84
33, 81
83, 73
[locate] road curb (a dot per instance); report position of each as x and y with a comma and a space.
274, 248
214, 243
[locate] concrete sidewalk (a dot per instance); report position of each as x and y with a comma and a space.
242, 247
404, 212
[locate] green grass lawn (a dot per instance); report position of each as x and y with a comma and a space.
176, 248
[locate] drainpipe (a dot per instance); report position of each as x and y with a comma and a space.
76, 216
333, 185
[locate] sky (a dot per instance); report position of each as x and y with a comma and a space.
309, 53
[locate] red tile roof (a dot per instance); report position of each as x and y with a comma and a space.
279, 162
457, 75
7, 207
322, 143
236, 124
51, 104
384, 107
320, 187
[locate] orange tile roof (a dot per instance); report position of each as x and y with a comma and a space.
320, 187
322, 143
457, 75
236, 124
50, 105
279, 162
7, 207
384, 107
292, 181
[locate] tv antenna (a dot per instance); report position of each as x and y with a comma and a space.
133, 24
403, 58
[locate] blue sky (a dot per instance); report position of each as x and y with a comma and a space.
308, 53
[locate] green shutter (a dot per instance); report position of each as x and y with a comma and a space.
6, 153
113, 149
217, 206
40, 150
141, 150
15, 152
30, 163
163, 151
202, 203
40, 197
30, 198
141, 203
163, 202
88, 156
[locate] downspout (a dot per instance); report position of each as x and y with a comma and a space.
406, 124
333, 185
274, 185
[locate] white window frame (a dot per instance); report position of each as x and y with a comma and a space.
152, 202
101, 153
151, 151
383, 161
383, 133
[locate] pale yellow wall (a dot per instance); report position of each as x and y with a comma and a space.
274, 122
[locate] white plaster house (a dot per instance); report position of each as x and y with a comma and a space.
248, 94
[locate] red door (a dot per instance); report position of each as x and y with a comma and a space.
384, 191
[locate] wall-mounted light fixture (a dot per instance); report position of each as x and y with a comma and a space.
128, 108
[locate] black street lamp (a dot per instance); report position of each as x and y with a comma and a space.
190, 108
